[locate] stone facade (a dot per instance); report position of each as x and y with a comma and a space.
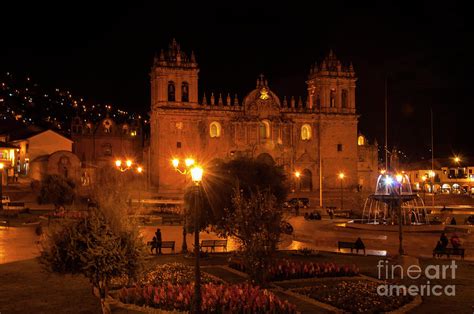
317, 137
102, 143
62, 163
368, 164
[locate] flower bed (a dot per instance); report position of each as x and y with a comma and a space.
286, 270
354, 296
174, 273
216, 298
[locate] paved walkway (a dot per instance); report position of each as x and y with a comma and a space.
324, 235
21, 243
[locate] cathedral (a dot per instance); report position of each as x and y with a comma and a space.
317, 138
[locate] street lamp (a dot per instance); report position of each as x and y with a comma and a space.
470, 179
126, 165
1, 185
423, 178
188, 162
196, 175
457, 159
298, 188
341, 177
123, 166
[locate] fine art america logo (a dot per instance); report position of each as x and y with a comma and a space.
415, 272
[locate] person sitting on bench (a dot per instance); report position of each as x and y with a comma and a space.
439, 247
455, 241
359, 245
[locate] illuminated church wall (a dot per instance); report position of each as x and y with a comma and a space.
299, 136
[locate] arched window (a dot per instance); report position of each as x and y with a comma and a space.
361, 140
107, 149
318, 101
264, 129
306, 132
171, 91
332, 98
344, 98
185, 92
215, 129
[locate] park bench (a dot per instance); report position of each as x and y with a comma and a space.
213, 244
5, 223
171, 220
350, 245
164, 245
448, 252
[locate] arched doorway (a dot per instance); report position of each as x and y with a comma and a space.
266, 159
306, 180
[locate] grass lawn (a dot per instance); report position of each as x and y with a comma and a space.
26, 288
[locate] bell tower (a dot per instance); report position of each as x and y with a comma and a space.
331, 86
174, 78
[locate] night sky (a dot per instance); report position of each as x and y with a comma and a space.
104, 52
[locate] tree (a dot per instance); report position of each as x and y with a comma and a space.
57, 189
243, 198
220, 181
250, 175
255, 222
96, 248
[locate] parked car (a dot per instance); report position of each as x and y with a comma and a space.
5, 199
286, 227
302, 201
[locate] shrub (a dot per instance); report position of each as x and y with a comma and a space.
57, 190
91, 247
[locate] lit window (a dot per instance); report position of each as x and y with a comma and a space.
265, 129
360, 140
306, 132
215, 129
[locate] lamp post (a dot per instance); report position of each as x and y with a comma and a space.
196, 175
470, 179
341, 177
189, 162
423, 179
1, 185
431, 175
399, 184
127, 165
298, 178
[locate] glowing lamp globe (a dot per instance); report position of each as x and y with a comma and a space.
196, 174
189, 162
175, 163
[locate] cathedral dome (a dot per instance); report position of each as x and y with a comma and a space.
261, 96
